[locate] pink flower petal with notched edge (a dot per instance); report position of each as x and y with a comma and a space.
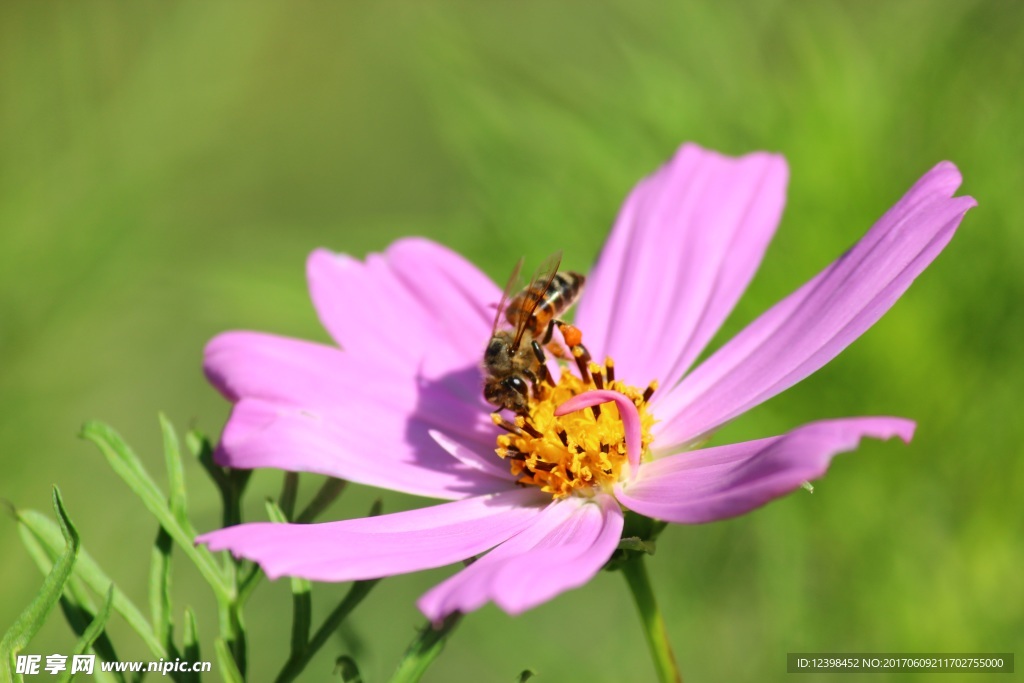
726, 481
810, 327
564, 549
389, 544
295, 411
418, 302
399, 405
684, 248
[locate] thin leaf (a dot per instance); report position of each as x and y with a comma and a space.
289, 493
294, 666
190, 636
328, 492
175, 472
93, 632
127, 465
302, 603
201, 448
190, 642
424, 650
232, 632
75, 603
226, 663
160, 587
237, 480
47, 534
359, 590
247, 584
34, 616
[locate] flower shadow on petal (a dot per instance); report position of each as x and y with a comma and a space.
452, 403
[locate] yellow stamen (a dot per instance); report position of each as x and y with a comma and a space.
577, 453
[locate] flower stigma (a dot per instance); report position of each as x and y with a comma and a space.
570, 451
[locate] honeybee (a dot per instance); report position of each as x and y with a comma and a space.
514, 360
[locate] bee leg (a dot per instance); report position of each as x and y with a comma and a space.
556, 349
510, 427
542, 369
550, 331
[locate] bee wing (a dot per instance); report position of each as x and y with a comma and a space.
510, 286
539, 284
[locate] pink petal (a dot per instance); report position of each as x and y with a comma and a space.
418, 303
684, 248
320, 377
484, 461
377, 449
725, 481
566, 546
373, 547
309, 407
811, 326
628, 413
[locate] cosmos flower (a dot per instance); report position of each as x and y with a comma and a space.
399, 404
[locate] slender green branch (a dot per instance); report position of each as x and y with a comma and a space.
650, 616
295, 664
33, 617
422, 652
127, 465
326, 495
289, 493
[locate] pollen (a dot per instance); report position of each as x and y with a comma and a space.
578, 453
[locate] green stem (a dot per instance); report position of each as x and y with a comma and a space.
298, 661
650, 616
424, 650
232, 625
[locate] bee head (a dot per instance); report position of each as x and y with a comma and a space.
510, 392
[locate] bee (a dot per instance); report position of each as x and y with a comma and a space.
514, 360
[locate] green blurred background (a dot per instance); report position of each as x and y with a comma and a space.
166, 167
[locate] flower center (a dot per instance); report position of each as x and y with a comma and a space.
579, 452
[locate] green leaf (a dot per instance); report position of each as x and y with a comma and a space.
34, 616
127, 466
359, 590
201, 448
75, 602
88, 571
94, 631
289, 492
190, 642
248, 582
302, 604
160, 587
294, 666
175, 472
424, 650
326, 495
226, 663
525, 675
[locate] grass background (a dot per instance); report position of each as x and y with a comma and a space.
166, 167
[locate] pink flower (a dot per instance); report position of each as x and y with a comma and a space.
401, 407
